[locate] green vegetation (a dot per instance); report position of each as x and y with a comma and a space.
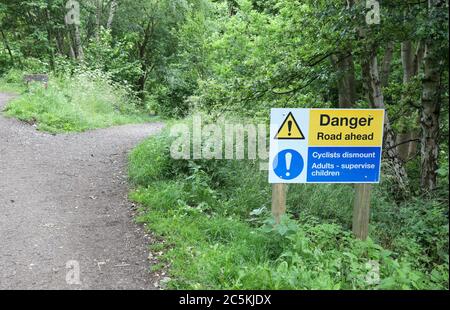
215, 217
236, 59
12, 82
83, 101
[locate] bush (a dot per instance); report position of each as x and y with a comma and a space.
113, 57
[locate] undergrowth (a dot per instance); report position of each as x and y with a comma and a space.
215, 218
73, 103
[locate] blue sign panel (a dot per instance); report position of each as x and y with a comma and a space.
343, 164
288, 164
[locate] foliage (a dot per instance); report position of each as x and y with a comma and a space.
12, 82
84, 101
113, 57
214, 216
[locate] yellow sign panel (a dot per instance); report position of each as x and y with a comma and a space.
346, 127
290, 130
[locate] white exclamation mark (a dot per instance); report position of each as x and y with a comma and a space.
288, 158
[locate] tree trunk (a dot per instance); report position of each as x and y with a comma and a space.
386, 65
345, 68
376, 99
59, 39
431, 97
429, 120
98, 18
413, 146
50, 40
409, 71
407, 61
415, 135
112, 13
71, 49
141, 83
70, 42
5, 42
407, 145
418, 59
411, 60
148, 33
78, 45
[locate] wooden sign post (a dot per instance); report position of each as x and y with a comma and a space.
361, 211
278, 201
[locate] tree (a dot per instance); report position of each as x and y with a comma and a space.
112, 13
436, 49
376, 99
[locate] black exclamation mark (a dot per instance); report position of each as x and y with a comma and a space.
290, 127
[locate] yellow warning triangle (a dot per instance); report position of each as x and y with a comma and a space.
290, 129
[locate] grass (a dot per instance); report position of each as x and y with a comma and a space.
11, 88
11, 82
74, 104
215, 219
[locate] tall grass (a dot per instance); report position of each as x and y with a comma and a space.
83, 101
11, 82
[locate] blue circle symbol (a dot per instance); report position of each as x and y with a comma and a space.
288, 164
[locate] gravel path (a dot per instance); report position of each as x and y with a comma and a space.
63, 203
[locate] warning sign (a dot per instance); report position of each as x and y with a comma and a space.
332, 146
346, 127
290, 130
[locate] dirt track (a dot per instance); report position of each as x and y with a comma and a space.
63, 198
